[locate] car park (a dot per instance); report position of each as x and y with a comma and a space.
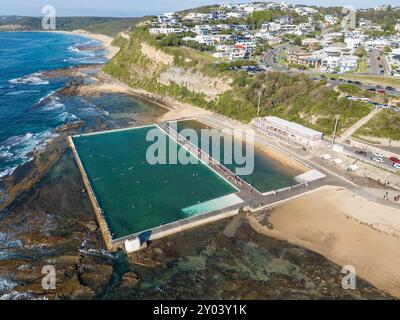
378, 160
361, 153
394, 160
378, 154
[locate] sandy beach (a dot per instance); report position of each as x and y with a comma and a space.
105, 40
345, 228
176, 109
283, 159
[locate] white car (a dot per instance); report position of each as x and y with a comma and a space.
396, 166
379, 160
378, 155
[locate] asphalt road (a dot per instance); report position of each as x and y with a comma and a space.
269, 60
375, 62
387, 163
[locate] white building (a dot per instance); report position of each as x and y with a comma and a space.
330, 64
353, 43
330, 20
379, 44
288, 132
271, 26
166, 31
347, 63
205, 40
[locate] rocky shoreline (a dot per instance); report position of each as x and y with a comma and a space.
47, 219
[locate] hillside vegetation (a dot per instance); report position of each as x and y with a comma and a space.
103, 25
293, 97
385, 125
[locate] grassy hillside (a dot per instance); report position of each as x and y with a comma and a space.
293, 97
385, 124
104, 25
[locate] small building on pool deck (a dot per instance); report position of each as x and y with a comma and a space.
288, 132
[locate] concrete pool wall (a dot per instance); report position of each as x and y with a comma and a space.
228, 210
210, 215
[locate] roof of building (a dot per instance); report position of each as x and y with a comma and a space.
293, 126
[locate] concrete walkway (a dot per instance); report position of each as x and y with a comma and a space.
350, 131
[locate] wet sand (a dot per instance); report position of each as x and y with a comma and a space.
284, 160
176, 109
105, 40
346, 229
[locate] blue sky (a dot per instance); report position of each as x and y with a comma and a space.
144, 7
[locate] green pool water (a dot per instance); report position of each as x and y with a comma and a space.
137, 196
269, 174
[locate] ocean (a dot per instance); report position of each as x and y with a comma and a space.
29, 113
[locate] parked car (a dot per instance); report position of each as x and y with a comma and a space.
390, 89
396, 166
381, 91
378, 86
378, 155
358, 83
378, 160
361, 153
394, 159
372, 89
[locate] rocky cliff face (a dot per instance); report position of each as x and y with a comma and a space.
144, 65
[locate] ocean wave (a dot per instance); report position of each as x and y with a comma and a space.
73, 49
6, 286
15, 93
7, 172
67, 117
33, 79
15, 140
41, 100
15, 295
53, 103
20, 148
5, 242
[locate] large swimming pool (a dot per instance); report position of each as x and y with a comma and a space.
137, 196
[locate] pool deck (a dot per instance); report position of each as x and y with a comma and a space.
253, 199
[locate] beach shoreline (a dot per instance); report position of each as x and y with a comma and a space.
344, 228
106, 41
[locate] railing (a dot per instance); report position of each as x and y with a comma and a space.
170, 131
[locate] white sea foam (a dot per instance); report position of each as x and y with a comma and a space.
31, 79
6, 285
45, 97
19, 148
67, 117
73, 49
16, 93
7, 172
53, 103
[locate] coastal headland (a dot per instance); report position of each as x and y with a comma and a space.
334, 222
